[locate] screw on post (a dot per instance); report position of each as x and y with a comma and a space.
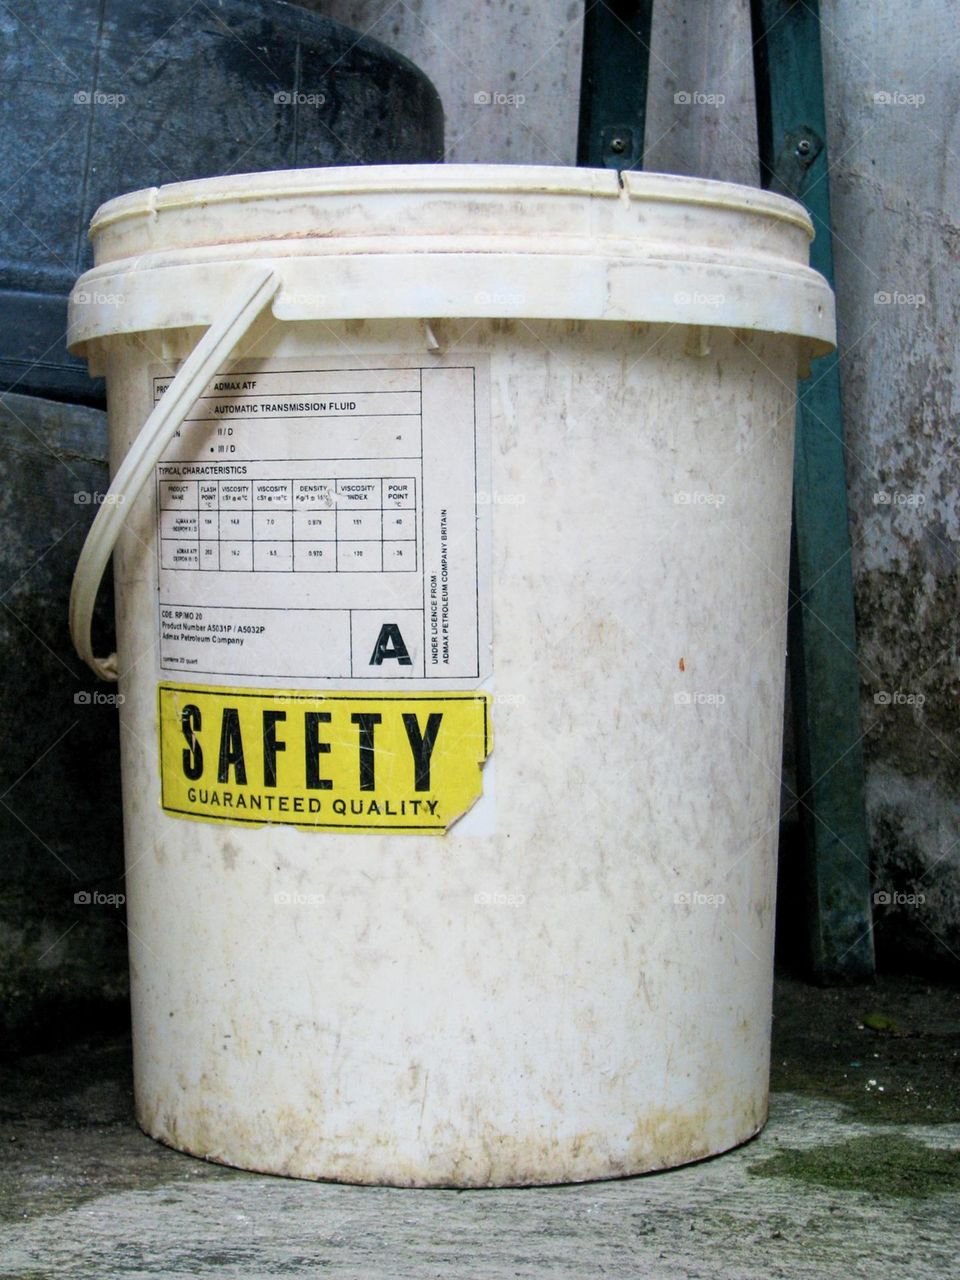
619, 147
799, 150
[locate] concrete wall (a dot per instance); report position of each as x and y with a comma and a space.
522, 54
529, 53
893, 86
895, 161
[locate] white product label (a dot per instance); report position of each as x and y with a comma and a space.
323, 522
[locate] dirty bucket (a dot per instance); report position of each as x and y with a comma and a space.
451, 509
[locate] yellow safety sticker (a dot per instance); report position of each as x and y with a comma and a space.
338, 761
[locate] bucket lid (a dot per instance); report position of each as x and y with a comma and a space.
428, 241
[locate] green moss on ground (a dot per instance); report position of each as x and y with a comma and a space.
882, 1164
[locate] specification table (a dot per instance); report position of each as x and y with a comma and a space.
323, 525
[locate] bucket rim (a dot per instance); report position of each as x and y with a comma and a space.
453, 179
533, 242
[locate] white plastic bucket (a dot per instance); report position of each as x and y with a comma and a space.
501, 456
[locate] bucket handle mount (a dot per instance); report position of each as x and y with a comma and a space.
204, 361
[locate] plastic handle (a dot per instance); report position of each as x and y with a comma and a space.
203, 362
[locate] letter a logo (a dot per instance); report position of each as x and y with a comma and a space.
390, 644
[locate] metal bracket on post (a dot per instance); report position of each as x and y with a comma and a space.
613, 89
822, 638
796, 157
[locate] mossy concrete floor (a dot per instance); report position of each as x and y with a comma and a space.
856, 1174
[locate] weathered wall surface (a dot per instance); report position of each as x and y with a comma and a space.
508, 71
893, 86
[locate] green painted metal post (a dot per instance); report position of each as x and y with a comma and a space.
613, 88
823, 662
